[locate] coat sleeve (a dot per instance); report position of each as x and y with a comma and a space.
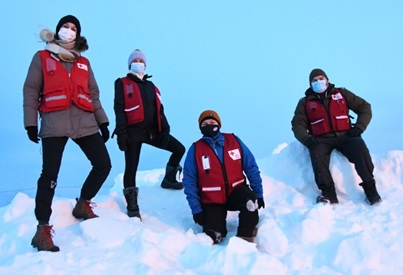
359, 106
32, 89
165, 125
251, 170
299, 122
119, 105
99, 111
190, 181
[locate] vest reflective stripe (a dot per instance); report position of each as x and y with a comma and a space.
217, 183
134, 107
211, 188
84, 97
55, 97
61, 88
323, 121
237, 183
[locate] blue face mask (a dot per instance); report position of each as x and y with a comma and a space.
319, 86
137, 67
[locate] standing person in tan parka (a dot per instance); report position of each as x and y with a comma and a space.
322, 123
61, 88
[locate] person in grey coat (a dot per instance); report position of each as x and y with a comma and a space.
60, 89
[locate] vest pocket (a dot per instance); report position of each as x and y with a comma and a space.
132, 108
342, 123
319, 127
84, 99
55, 99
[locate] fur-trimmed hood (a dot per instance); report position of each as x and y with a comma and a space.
47, 35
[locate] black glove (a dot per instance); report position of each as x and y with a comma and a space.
198, 218
164, 139
354, 132
260, 203
32, 132
311, 142
123, 141
104, 131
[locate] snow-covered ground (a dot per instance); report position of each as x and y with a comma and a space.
296, 236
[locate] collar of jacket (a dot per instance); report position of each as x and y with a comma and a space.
217, 139
135, 78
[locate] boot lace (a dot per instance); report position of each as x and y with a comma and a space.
89, 205
48, 231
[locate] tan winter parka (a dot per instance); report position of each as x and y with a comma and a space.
72, 122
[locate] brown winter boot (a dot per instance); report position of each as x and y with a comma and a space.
246, 231
248, 239
42, 239
254, 232
83, 209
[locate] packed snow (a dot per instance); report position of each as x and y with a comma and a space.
296, 235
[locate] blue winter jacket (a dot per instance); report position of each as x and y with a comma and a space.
190, 173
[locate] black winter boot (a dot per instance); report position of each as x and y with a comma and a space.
169, 181
131, 194
371, 192
328, 196
42, 239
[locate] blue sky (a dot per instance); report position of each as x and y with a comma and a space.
249, 61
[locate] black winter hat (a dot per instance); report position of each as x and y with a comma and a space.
71, 19
315, 73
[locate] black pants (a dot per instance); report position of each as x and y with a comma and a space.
215, 215
353, 148
95, 150
132, 157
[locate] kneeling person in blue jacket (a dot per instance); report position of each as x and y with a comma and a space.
214, 180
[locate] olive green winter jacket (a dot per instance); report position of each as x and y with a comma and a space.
300, 124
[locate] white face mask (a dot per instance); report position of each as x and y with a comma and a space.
137, 67
319, 86
67, 34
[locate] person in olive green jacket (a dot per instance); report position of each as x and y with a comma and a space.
322, 123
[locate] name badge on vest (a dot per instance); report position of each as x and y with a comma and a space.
337, 96
206, 162
234, 154
82, 66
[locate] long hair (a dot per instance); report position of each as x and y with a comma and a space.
81, 44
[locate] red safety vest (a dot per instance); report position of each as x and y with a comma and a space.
323, 121
61, 88
217, 180
134, 107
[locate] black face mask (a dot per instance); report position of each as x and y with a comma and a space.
210, 130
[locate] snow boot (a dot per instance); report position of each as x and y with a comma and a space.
131, 194
254, 232
217, 237
371, 192
247, 234
248, 239
169, 181
83, 209
42, 239
328, 196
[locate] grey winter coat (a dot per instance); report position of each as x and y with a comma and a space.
72, 122
300, 124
